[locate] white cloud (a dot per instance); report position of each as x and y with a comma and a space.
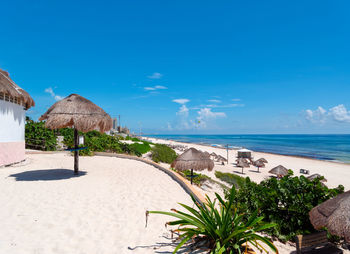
320, 115
340, 113
50, 91
153, 88
205, 115
181, 101
225, 106
214, 101
155, 75
236, 99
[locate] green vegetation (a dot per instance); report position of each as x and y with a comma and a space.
222, 230
38, 137
163, 153
198, 180
231, 179
286, 202
41, 138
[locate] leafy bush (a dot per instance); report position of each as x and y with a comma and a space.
231, 179
37, 136
221, 230
163, 153
140, 149
198, 180
286, 202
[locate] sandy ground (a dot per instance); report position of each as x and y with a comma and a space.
45, 209
335, 173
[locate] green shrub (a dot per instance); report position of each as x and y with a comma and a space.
38, 137
198, 180
286, 202
231, 179
222, 229
140, 149
163, 153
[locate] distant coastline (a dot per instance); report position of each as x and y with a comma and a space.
325, 147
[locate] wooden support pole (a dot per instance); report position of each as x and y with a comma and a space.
191, 175
76, 152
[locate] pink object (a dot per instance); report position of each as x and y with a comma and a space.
11, 152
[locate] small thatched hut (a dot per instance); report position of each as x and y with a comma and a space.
194, 160
14, 102
80, 113
279, 171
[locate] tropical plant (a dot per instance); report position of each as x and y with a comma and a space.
163, 153
38, 137
223, 229
286, 202
231, 179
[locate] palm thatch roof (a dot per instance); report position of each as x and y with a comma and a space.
245, 160
10, 89
262, 160
334, 214
315, 176
259, 164
279, 170
206, 154
79, 112
192, 159
243, 163
221, 158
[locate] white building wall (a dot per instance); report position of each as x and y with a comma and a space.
12, 122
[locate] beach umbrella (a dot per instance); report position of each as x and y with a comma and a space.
206, 154
81, 114
279, 171
221, 158
213, 154
334, 214
194, 160
242, 159
259, 164
262, 160
242, 163
315, 176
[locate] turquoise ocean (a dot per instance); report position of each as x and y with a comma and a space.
322, 147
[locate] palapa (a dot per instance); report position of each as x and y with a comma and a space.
279, 171
194, 160
262, 160
13, 91
315, 176
242, 163
80, 113
334, 214
206, 154
259, 164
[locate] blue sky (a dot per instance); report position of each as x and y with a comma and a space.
187, 66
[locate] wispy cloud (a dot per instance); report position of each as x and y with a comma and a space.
153, 88
50, 91
320, 115
155, 75
214, 101
236, 99
181, 101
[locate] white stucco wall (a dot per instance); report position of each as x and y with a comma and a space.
12, 122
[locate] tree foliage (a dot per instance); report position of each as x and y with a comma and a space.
38, 137
286, 202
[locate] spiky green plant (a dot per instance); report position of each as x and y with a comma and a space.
224, 229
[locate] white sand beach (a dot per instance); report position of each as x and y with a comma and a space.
45, 209
336, 173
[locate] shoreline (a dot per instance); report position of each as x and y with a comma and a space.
262, 152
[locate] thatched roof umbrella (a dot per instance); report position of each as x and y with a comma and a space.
194, 160
279, 171
221, 158
12, 90
334, 214
315, 176
259, 164
243, 163
80, 113
262, 160
206, 154
245, 160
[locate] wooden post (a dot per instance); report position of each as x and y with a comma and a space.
76, 152
191, 175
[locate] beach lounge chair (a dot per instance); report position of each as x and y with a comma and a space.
315, 243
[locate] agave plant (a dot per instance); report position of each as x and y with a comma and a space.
223, 229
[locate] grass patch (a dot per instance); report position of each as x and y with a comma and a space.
231, 179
